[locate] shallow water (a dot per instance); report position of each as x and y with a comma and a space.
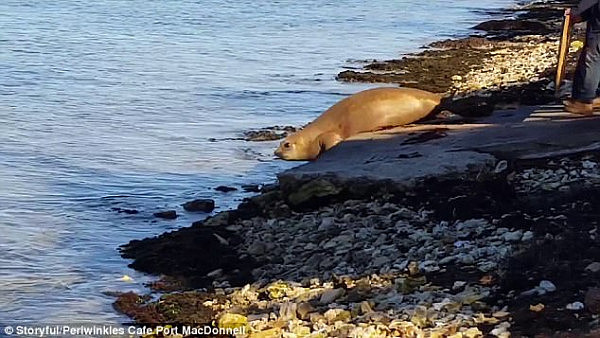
112, 104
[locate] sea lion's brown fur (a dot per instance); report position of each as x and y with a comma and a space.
368, 110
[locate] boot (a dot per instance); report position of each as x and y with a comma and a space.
578, 107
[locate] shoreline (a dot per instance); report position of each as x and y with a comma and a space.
446, 255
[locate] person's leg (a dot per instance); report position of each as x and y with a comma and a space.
587, 73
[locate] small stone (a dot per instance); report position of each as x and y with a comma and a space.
467, 259
278, 289
223, 188
381, 261
588, 164
547, 286
200, 205
447, 260
301, 331
472, 333
576, 306
316, 317
593, 267
365, 307
303, 310
169, 214
408, 285
456, 78
419, 316
458, 285
334, 315
537, 308
501, 231
215, 273
592, 300
501, 330
514, 236
527, 236
500, 314
257, 248
232, 321
327, 223
313, 191
287, 311
271, 333
329, 296
217, 220
340, 240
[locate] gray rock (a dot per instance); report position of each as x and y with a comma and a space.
527, 236
303, 310
487, 266
223, 188
200, 205
312, 191
341, 240
458, 285
257, 248
330, 295
215, 273
327, 223
592, 300
447, 260
169, 214
466, 259
593, 267
514, 236
316, 317
365, 307
547, 286
327, 264
501, 231
589, 164
381, 261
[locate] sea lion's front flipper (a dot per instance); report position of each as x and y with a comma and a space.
329, 140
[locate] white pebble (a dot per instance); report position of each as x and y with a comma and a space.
547, 286
576, 306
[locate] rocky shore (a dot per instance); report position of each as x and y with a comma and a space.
508, 63
506, 250
515, 254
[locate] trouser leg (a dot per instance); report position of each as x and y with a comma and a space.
587, 74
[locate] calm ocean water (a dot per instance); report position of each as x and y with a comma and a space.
111, 104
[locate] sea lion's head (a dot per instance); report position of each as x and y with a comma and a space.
297, 147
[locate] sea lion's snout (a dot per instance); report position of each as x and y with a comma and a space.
278, 152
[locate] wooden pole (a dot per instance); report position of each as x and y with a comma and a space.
563, 51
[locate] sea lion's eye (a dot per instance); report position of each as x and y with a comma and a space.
286, 145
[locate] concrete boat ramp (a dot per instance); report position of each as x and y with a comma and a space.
407, 155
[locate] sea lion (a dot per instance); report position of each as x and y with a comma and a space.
369, 110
